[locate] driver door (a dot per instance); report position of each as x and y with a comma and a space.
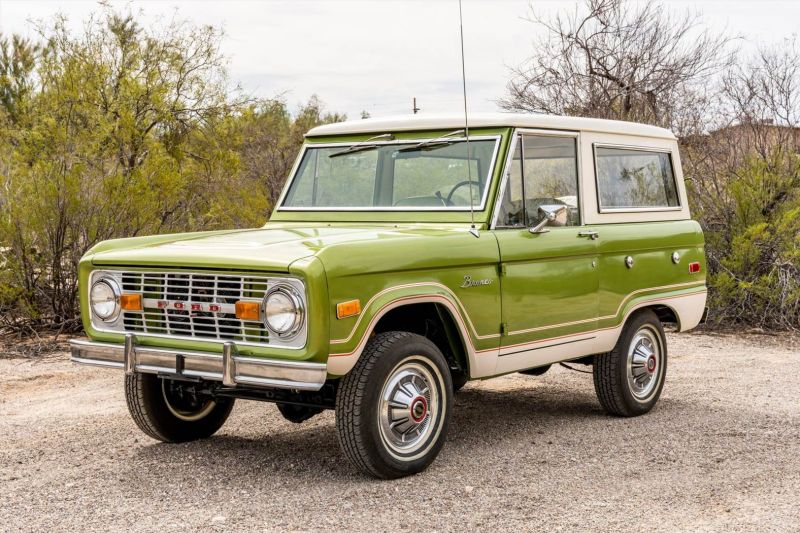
549, 281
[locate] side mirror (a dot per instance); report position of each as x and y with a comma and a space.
552, 215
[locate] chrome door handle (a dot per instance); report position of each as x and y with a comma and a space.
589, 233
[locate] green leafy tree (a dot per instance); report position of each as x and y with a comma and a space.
120, 131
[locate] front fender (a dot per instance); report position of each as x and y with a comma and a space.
481, 344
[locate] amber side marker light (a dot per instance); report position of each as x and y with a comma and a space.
248, 310
694, 268
131, 302
346, 309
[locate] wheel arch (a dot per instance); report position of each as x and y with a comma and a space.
434, 321
685, 310
665, 314
398, 314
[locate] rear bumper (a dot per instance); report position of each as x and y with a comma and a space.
229, 368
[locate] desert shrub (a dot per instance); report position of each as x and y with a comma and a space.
755, 258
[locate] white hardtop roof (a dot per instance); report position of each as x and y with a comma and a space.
488, 120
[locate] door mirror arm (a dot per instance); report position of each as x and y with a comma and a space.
552, 215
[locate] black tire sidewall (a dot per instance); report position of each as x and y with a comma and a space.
156, 419
408, 345
641, 319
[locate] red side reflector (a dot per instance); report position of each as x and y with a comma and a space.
694, 268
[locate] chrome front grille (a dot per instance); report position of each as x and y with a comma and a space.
191, 304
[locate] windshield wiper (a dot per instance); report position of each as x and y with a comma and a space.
363, 145
433, 143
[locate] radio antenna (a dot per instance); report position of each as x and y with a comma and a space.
472, 229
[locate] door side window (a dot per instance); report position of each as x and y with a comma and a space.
512, 210
544, 171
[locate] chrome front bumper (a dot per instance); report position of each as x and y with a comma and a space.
229, 368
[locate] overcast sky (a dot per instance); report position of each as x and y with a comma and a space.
377, 55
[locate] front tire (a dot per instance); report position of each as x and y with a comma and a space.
393, 408
171, 411
628, 380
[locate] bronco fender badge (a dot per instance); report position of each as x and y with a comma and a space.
469, 282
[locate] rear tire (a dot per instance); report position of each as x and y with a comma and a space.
393, 408
628, 380
167, 411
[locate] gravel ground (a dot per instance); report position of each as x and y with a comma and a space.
721, 451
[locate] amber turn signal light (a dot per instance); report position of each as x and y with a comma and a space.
346, 309
131, 302
248, 310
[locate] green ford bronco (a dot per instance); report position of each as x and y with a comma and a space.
404, 258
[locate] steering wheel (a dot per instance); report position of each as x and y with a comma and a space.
458, 186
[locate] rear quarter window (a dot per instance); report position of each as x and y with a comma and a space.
633, 179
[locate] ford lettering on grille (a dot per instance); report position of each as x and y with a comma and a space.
194, 305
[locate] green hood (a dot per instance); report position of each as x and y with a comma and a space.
254, 249
269, 248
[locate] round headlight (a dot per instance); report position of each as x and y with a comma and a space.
104, 299
283, 311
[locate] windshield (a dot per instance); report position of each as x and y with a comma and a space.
402, 176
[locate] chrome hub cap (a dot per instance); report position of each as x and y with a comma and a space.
419, 409
644, 363
409, 414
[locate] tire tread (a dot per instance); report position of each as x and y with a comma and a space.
608, 371
351, 395
138, 408
353, 429
150, 413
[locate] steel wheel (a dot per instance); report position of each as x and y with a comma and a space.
644, 363
409, 413
182, 404
174, 411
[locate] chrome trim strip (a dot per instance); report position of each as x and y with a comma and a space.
482, 362
639, 209
463, 310
504, 177
230, 369
96, 362
306, 146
